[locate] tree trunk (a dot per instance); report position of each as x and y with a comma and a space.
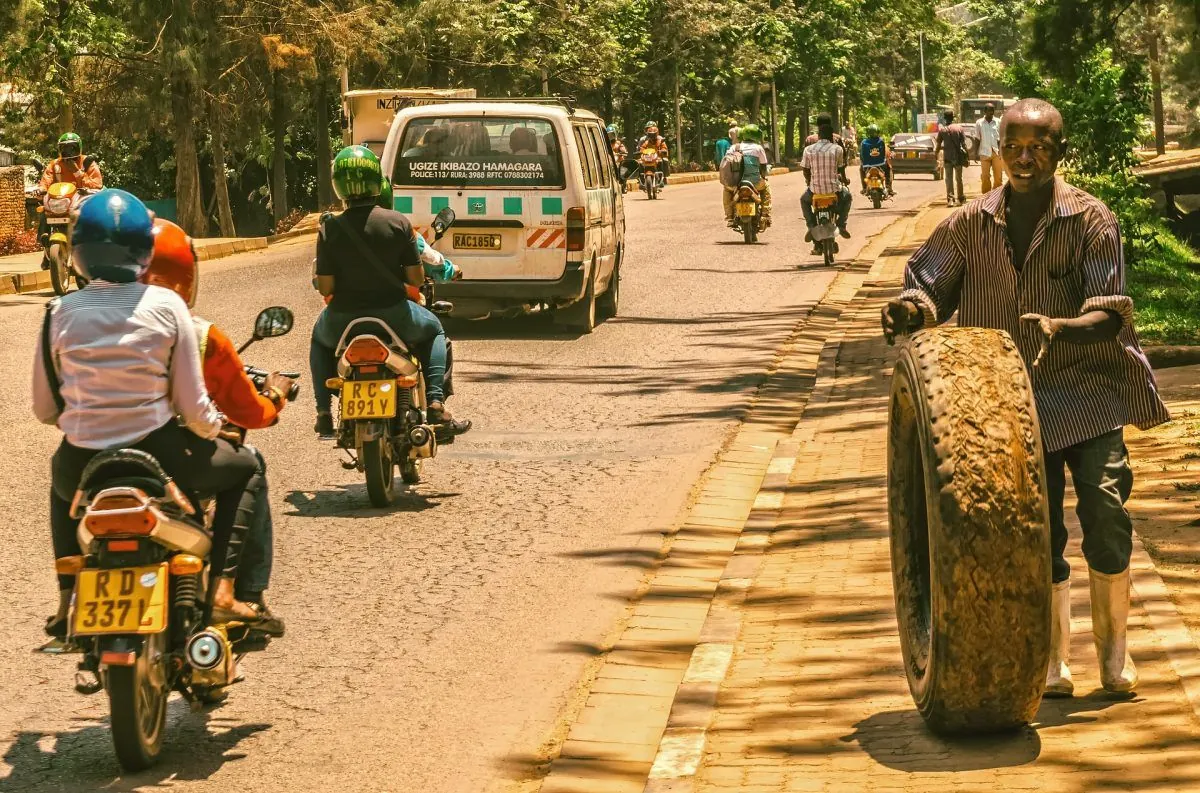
789, 140
220, 183
678, 121
189, 208
630, 128
700, 158
835, 107
324, 156
608, 101
279, 199
756, 104
545, 82
1152, 36
805, 116
774, 122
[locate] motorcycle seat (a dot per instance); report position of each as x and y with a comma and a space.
125, 467
370, 326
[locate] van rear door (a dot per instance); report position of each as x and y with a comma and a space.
504, 178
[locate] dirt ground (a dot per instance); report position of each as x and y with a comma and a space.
1166, 497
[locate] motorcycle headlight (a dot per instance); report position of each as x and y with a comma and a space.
59, 206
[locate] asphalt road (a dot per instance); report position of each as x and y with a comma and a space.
432, 645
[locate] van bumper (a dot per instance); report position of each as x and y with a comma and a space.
568, 287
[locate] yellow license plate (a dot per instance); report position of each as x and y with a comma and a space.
912, 155
477, 242
746, 210
124, 600
369, 399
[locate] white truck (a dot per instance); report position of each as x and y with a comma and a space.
367, 114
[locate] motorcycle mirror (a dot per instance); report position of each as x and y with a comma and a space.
443, 220
36, 163
273, 321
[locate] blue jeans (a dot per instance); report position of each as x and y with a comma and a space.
417, 326
254, 513
843, 207
1103, 481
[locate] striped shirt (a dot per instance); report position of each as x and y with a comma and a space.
127, 362
824, 159
1075, 265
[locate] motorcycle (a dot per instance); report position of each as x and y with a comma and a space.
876, 183
825, 210
139, 613
651, 177
382, 420
59, 207
747, 208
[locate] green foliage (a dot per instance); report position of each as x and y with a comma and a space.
1165, 289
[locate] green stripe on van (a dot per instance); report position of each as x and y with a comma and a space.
513, 206
403, 203
552, 206
438, 203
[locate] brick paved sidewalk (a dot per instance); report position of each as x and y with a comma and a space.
815, 698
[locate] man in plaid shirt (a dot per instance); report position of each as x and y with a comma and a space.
824, 165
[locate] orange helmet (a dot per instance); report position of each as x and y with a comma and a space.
174, 262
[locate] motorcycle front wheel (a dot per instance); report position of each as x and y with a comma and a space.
60, 268
381, 471
137, 700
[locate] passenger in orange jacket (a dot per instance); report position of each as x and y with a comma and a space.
235, 394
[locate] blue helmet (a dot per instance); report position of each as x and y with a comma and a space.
113, 238
612, 128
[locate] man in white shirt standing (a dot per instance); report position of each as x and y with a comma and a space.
824, 165
990, 164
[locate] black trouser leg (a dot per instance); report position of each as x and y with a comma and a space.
63, 529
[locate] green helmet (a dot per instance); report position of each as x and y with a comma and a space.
873, 130
752, 133
357, 174
385, 193
70, 141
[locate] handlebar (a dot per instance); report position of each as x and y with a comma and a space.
259, 377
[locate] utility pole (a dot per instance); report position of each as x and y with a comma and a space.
775, 154
924, 98
1160, 138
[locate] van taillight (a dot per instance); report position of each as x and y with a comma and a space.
576, 226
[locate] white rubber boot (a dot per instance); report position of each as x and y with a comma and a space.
1058, 676
1110, 614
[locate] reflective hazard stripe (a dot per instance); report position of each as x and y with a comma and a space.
546, 238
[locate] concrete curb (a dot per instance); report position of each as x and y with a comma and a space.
1167, 356
644, 723
21, 283
702, 176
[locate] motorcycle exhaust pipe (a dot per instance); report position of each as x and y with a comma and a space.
206, 650
419, 435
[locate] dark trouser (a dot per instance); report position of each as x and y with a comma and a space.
887, 173
1103, 481
954, 171
843, 207
254, 522
418, 327
208, 468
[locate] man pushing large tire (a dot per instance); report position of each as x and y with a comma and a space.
969, 528
1035, 272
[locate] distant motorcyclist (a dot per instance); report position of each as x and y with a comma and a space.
72, 166
116, 363
875, 154
756, 167
653, 139
367, 257
235, 395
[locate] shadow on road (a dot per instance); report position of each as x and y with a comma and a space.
898, 740
345, 500
195, 747
532, 327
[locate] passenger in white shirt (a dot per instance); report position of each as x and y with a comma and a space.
122, 361
991, 166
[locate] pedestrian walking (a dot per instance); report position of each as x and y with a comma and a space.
990, 165
952, 144
1042, 260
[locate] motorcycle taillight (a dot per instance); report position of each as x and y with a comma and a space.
366, 350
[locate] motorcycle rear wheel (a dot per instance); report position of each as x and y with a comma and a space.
827, 251
60, 269
138, 706
381, 471
876, 200
748, 229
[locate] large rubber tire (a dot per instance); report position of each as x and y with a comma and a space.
609, 302
748, 231
381, 472
581, 315
137, 700
970, 536
60, 269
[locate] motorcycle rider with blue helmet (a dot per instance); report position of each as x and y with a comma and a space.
875, 154
116, 363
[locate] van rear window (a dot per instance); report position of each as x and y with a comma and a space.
479, 152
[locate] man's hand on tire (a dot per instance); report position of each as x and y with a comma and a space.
898, 317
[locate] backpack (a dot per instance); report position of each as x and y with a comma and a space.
730, 171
